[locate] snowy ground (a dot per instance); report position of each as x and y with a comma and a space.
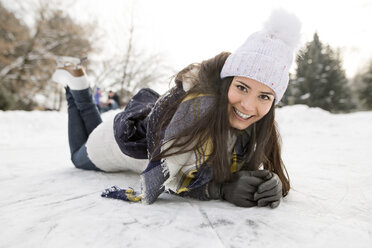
45, 202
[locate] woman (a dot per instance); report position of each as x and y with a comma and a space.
212, 136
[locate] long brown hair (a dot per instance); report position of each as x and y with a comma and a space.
264, 143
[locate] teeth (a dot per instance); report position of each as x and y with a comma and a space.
241, 114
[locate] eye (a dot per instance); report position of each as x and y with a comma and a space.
265, 97
242, 88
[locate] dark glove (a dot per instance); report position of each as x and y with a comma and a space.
269, 192
240, 191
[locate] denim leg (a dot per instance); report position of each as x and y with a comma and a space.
81, 160
78, 132
88, 109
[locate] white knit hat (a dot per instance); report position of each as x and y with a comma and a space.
267, 55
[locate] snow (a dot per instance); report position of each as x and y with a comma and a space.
45, 202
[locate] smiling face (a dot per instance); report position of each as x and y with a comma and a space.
249, 101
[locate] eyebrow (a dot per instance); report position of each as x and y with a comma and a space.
263, 92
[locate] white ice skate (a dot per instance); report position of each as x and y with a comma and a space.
70, 72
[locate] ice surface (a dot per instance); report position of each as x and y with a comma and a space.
45, 202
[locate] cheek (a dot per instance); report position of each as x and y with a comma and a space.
232, 96
264, 109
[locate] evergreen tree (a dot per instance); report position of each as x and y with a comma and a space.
365, 92
320, 79
288, 97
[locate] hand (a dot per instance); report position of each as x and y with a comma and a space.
269, 192
240, 191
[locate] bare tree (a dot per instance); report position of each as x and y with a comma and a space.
13, 42
29, 69
28, 63
133, 69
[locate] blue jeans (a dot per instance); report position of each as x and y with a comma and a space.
83, 118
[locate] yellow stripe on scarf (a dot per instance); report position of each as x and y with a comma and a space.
192, 96
129, 193
234, 165
190, 174
186, 182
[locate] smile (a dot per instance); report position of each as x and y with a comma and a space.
241, 115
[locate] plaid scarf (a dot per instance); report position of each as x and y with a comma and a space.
177, 174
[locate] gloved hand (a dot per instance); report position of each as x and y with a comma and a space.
269, 192
240, 191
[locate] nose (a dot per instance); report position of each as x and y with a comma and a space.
249, 104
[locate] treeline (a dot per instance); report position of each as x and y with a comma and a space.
320, 81
27, 58
28, 53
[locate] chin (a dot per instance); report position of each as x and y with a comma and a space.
239, 126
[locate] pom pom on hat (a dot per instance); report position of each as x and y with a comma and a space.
267, 55
284, 26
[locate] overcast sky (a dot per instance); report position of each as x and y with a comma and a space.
187, 31
193, 30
